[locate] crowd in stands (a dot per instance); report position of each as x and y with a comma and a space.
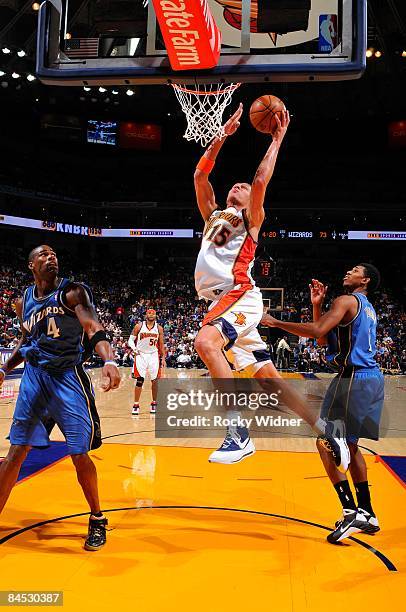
122, 303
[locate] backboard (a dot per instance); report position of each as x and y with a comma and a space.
99, 42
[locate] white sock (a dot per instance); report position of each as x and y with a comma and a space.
233, 415
319, 427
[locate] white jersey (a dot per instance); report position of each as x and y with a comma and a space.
147, 339
226, 254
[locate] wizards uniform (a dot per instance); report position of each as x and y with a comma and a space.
356, 394
54, 385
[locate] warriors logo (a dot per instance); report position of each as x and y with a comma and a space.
240, 318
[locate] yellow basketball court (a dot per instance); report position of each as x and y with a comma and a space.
185, 533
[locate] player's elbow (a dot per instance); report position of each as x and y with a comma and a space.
260, 182
199, 176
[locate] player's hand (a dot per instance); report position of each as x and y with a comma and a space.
282, 121
232, 125
317, 292
110, 377
269, 321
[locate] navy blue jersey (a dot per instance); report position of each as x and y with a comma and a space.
55, 340
354, 343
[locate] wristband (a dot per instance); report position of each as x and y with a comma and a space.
4, 372
205, 165
111, 362
99, 336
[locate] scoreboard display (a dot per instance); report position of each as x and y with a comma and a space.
301, 234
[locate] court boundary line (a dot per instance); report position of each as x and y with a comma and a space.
392, 472
387, 562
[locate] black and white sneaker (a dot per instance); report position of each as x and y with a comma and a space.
96, 537
136, 410
152, 409
334, 441
353, 521
372, 524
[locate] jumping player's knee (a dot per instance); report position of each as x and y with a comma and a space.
208, 342
139, 381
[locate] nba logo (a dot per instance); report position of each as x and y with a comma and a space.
328, 33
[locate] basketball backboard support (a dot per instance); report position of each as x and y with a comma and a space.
273, 298
262, 40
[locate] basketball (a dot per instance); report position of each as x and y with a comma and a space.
263, 111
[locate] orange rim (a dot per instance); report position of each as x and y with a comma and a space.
217, 92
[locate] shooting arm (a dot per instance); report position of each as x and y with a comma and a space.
264, 173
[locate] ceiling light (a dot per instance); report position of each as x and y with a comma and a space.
86, 88
114, 92
30, 77
378, 53
15, 75
129, 92
2, 73
6, 50
102, 89
21, 53
369, 53
35, 6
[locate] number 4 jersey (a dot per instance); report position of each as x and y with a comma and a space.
226, 254
55, 340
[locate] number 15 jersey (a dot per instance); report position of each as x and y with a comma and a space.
226, 254
55, 340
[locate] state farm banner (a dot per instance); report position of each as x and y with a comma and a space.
192, 38
142, 136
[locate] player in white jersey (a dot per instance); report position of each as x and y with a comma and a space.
223, 275
147, 342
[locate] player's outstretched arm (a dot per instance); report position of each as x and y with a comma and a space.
264, 173
78, 300
318, 293
206, 200
132, 340
15, 358
342, 306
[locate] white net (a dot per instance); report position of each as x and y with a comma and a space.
204, 106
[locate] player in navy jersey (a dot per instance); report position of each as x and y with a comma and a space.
356, 394
59, 327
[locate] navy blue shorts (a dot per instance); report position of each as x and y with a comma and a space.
356, 396
67, 398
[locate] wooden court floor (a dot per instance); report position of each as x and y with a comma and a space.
189, 534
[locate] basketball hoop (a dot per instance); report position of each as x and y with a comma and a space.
204, 106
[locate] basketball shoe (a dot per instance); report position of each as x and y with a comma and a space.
136, 410
236, 446
370, 527
96, 537
334, 441
152, 408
